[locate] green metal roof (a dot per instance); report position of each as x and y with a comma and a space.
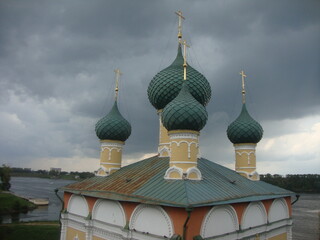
144, 182
244, 129
166, 85
184, 112
113, 126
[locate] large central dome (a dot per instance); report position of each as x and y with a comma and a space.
184, 112
166, 85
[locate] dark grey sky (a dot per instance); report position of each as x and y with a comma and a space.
57, 60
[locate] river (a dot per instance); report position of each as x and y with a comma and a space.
306, 212
37, 188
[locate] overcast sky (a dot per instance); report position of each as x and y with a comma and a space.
56, 77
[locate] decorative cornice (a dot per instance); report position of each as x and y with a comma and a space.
249, 175
164, 149
196, 171
172, 170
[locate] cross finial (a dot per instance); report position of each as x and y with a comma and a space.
179, 13
243, 87
118, 74
185, 45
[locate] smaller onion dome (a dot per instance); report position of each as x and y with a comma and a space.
244, 129
184, 112
113, 126
166, 84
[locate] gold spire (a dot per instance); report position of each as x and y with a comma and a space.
118, 74
243, 87
185, 45
179, 13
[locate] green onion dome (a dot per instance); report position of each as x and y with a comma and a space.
113, 126
244, 129
166, 85
184, 112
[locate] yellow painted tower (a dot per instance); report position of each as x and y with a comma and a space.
245, 133
112, 130
166, 85
184, 117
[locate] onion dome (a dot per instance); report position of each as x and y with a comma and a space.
166, 85
244, 129
184, 112
113, 126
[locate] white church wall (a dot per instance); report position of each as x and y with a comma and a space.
278, 210
219, 220
78, 205
152, 220
110, 212
254, 215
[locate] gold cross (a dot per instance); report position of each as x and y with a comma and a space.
118, 74
179, 13
243, 87
185, 45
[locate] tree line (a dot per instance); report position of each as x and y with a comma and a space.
299, 183
27, 172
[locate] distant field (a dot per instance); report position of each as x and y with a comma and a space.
30, 231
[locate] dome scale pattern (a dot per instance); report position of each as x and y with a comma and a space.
113, 126
244, 129
184, 112
166, 85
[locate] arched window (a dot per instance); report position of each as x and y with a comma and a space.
78, 205
254, 215
151, 219
219, 220
278, 210
109, 212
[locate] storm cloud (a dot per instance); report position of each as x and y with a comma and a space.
57, 60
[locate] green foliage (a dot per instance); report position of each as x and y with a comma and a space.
23, 172
300, 183
29, 232
5, 177
13, 204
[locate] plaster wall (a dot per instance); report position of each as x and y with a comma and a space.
164, 140
220, 220
278, 210
125, 220
74, 234
282, 236
111, 154
97, 238
109, 212
78, 206
151, 219
254, 215
184, 146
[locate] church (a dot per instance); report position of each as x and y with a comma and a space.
176, 194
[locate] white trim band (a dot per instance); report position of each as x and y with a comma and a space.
181, 162
111, 144
245, 147
108, 163
183, 135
